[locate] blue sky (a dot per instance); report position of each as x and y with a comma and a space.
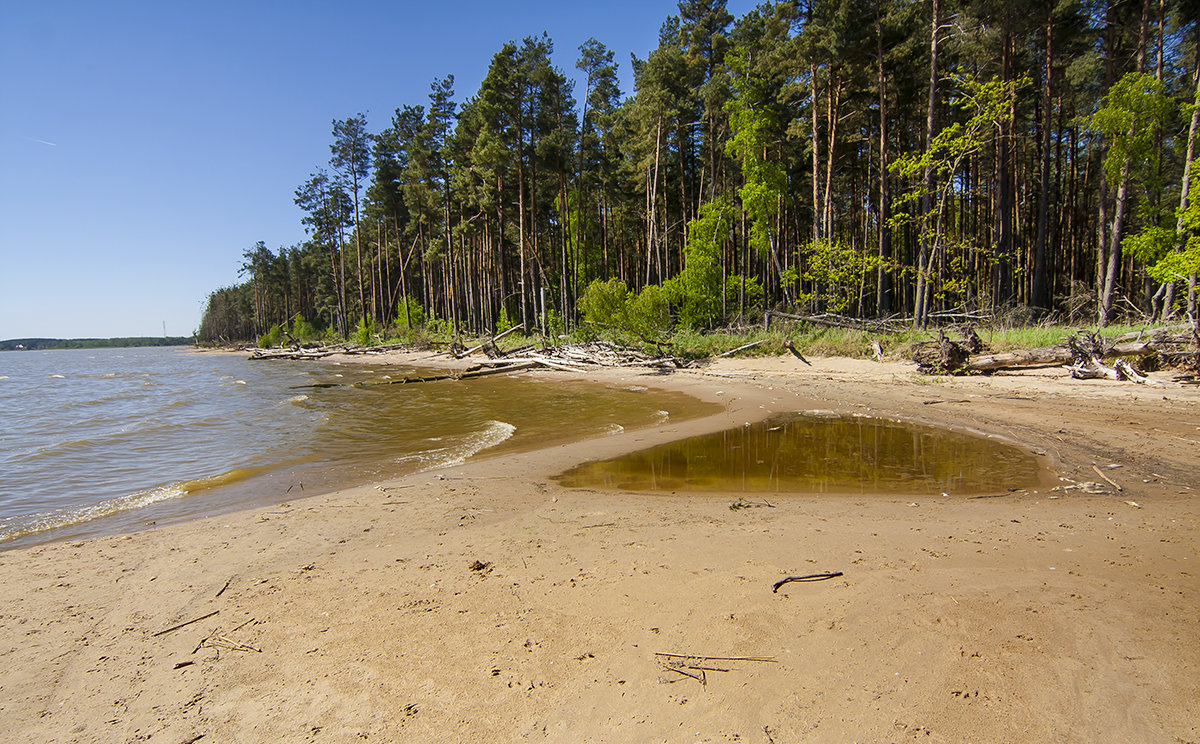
145, 145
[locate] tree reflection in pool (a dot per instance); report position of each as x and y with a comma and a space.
807, 453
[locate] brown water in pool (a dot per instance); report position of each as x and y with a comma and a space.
804, 453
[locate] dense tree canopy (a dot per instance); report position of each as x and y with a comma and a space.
873, 157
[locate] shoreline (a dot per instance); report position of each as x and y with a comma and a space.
1050, 615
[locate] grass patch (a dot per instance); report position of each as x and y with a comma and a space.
807, 339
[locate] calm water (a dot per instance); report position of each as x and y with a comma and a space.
109, 440
819, 454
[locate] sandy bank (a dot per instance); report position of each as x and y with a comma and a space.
1067, 615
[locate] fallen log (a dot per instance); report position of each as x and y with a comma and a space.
492, 341
743, 347
1049, 356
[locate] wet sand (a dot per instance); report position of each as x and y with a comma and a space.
484, 602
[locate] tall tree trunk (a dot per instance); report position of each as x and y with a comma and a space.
832, 118
652, 236
521, 209
883, 278
1040, 299
816, 158
1002, 288
919, 299
1108, 289
1184, 191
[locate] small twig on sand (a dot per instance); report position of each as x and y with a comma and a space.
227, 583
185, 623
763, 659
226, 642
807, 577
1111, 482
698, 677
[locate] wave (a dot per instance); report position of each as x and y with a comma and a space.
59, 518
492, 434
71, 516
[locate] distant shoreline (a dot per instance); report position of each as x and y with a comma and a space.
120, 342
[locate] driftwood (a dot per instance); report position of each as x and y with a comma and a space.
795, 352
833, 320
489, 342
1081, 354
567, 358
299, 353
1049, 356
743, 347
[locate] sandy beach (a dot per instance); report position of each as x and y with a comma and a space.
484, 602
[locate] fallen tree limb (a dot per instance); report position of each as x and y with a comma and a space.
743, 347
795, 352
491, 340
1049, 356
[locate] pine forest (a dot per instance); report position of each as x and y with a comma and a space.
900, 159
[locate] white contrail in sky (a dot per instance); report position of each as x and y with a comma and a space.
44, 142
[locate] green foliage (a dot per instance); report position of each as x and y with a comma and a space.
696, 291
605, 303
986, 105
649, 314
273, 337
1134, 112
303, 331
734, 289
610, 304
364, 332
121, 342
503, 323
1150, 245
1171, 265
410, 315
835, 273
755, 126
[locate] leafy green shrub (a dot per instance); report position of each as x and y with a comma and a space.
303, 331
605, 303
836, 272
503, 323
696, 291
364, 332
610, 304
411, 315
733, 292
271, 338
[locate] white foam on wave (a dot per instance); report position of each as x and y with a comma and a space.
613, 429
58, 377
492, 434
68, 517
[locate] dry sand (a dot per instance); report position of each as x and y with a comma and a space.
1056, 615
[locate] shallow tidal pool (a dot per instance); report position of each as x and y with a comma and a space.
819, 453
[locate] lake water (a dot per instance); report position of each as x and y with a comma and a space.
99, 441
